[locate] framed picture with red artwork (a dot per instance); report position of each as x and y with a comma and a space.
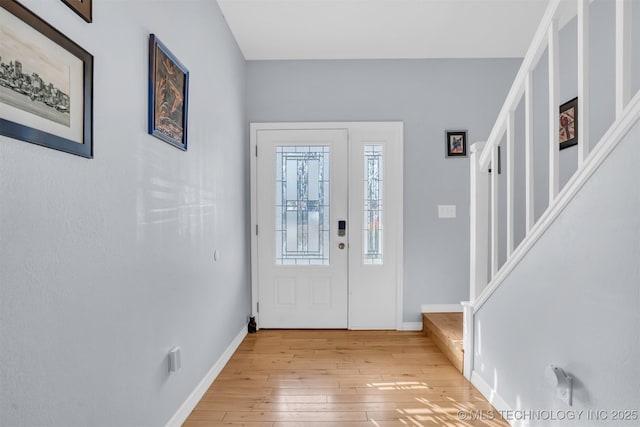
568, 123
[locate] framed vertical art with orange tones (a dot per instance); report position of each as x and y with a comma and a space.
168, 95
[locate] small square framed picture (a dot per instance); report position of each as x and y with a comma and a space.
456, 143
568, 121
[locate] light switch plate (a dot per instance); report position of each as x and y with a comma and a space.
446, 211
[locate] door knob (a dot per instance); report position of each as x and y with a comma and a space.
341, 245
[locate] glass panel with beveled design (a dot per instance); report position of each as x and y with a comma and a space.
302, 205
373, 229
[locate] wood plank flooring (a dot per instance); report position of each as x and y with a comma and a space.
313, 378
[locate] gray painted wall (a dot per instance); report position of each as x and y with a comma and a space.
106, 264
574, 301
429, 96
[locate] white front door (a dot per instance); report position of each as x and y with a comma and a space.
327, 206
302, 257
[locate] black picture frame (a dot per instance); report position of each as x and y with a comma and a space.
46, 84
168, 95
568, 124
456, 143
84, 8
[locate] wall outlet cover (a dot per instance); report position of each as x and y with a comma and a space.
175, 359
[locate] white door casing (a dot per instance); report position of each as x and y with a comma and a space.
360, 287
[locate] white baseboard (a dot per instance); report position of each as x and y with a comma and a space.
412, 326
185, 409
491, 395
441, 308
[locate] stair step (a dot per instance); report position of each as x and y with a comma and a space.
445, 329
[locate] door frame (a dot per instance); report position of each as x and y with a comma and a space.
254, 127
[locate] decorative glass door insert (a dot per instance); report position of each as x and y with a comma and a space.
302, 220
372, 232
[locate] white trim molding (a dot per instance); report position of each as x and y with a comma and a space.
489, 393
185, 409
441, 308
411, 326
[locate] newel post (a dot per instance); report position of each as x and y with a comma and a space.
479, 241
479, 233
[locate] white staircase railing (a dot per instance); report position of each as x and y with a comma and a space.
486, 274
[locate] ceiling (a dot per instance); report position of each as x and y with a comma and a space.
359, 29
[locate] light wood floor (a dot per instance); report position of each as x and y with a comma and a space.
312, 378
